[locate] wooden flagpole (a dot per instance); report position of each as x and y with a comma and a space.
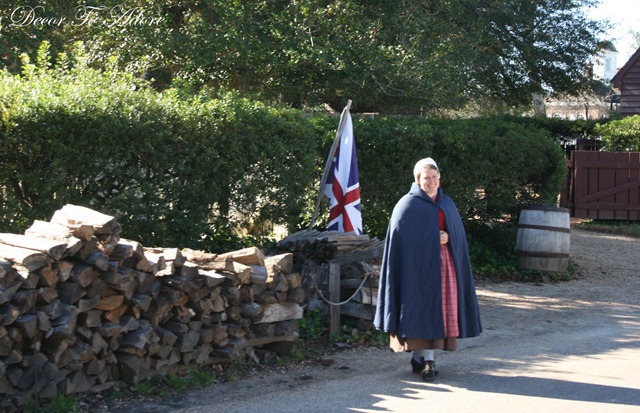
327, 165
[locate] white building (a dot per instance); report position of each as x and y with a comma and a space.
605, 65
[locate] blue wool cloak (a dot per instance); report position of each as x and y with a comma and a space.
410, 289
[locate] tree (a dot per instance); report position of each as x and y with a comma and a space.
413, 56
526, 48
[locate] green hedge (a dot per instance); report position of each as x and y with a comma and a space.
491, 167
184, 169
175, 170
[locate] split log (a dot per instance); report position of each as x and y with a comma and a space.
294, 280
212, 278
88, 248
115, 314
285, 328
28, 258
47, 294
142, 301
202, 257
85, 305
278, 282
170, 256
297, 295
284, 262
59, 232
279, 312
263, 330
246, 256
258, 274
243, 272
142, 337
110, 303
253, 311
64, 269
73, 216
357, 310
47, 276
83, 274
70, 292
6, 293
144, 281
54, 249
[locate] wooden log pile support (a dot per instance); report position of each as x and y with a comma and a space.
83, 310
345, 267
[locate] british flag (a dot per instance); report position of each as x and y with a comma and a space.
342, 185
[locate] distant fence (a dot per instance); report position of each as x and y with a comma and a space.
603, 185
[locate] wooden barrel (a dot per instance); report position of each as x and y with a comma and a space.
544, 239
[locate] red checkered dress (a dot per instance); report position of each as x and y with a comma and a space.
449, 286
449, 293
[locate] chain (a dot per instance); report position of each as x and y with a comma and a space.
367, 275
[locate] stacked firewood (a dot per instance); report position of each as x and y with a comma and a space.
325, 246
82, 309
359, 258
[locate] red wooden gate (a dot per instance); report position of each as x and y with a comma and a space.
603, 185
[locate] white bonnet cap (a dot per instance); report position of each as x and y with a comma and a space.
421, 164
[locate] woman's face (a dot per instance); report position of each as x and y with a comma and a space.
429, 181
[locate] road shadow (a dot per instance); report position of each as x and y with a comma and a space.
532, 339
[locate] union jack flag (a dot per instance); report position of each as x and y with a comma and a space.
342, 185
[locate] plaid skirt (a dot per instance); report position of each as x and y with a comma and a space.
449, 311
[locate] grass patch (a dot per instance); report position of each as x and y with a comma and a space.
59, 404
614, 227
161, 386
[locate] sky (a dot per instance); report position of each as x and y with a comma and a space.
625, 15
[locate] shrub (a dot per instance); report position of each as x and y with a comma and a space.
621, 135
186, 169
491, 167
175, 169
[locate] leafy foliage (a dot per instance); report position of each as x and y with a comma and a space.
186, 169
621, 135
491, 167
174, 169
390, 57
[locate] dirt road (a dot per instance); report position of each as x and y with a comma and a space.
566, 347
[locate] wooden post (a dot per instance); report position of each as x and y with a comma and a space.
334, 297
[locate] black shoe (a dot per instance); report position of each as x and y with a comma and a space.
417, 366
429, 372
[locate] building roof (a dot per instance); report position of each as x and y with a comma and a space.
617, 79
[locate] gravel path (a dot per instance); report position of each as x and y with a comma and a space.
607, 268
608, 265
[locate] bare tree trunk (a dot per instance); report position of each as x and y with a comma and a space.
539, 108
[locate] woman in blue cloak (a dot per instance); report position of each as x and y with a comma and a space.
426, 295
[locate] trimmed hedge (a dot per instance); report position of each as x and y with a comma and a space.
185, 169
491, 167
175, 170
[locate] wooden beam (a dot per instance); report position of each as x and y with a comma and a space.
334, 297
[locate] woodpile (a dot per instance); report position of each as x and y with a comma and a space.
325, 246
358, 257
82, 309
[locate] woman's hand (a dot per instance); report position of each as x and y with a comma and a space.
444, 237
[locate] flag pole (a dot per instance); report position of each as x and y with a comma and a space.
327, 165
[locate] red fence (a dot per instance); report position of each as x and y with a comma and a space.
603, 185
